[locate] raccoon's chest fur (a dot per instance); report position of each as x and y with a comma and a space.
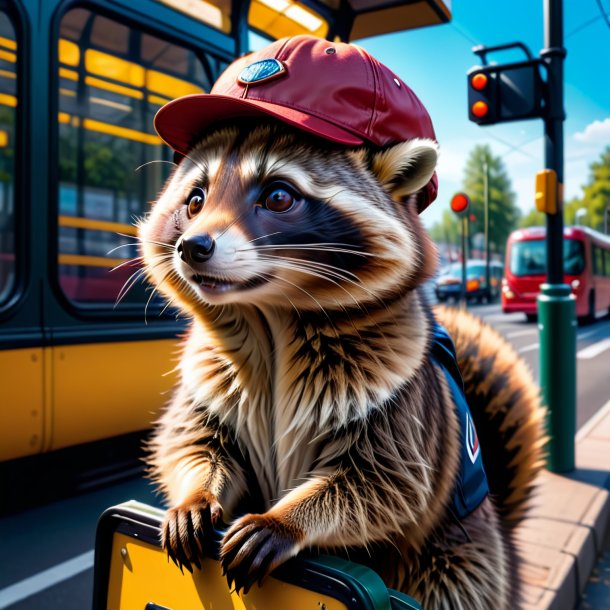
286, 382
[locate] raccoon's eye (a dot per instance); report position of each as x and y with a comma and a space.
278, 199
195, 202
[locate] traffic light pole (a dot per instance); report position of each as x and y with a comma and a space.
556, 304
464, 220
486, 221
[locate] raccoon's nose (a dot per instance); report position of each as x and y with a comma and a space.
196, 249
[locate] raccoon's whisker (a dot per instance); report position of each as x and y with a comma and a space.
231, 224
328, 277
133, 243
153, 292
311, 270
132, 261
203, 169
264, 276
312, 267
277, 277
146, 241
135, 277
263, 236
137, 169
166, 306
129, 283
314, 247
314, 264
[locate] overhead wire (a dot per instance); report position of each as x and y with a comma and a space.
603, 13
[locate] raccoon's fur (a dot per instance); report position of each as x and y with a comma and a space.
309, 413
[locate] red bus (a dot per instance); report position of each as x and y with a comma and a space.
586, 256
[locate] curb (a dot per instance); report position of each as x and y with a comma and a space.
568, 525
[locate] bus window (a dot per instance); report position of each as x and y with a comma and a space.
216, 13
112, 80
8, 107
529, 257
285, 18
598, 260
573, 257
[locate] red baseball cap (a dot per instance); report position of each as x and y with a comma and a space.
333, 90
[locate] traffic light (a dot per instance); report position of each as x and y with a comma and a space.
459, 203
505, 92
546, 191
482, 105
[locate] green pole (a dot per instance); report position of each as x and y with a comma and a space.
556, 304
557, 325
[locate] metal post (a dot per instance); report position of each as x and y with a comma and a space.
464, 229
486, 220
556, 303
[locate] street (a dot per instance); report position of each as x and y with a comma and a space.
592, 354
47, 553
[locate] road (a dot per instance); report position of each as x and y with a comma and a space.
592, 350
46, 560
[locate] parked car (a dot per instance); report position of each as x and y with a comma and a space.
449, 282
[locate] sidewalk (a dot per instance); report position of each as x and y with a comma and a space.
568, 526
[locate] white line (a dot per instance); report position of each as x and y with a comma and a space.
45, 579
529, 348
594, 350
593, 421
521, 333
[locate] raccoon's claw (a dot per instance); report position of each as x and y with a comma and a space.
253, 547
185, 530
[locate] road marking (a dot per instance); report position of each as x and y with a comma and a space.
593, 421
529, 348
594, 350
521, 333
43, 580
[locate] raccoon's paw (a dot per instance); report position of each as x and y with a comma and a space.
185, 529
254, 546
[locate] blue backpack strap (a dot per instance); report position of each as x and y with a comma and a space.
471, 486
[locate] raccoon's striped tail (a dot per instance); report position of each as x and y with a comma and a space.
505, 405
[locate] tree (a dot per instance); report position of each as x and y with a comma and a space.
503, 213
447, 230
533, 218
596, 196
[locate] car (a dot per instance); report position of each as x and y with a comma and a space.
449, 282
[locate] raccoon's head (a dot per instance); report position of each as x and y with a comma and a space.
263, 214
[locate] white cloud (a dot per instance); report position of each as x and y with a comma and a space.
597, 132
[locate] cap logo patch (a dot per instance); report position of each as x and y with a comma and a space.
261, 71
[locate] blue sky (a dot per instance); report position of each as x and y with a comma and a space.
433, 61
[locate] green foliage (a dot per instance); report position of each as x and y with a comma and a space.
533, 218
447, 230
569, 212
597, 192
503, 212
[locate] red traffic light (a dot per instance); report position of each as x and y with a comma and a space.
479, 81
459, 202
480, 109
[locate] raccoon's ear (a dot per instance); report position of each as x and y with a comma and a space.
405, 168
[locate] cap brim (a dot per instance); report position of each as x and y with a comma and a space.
181, 121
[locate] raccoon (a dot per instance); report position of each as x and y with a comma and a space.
311, 411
